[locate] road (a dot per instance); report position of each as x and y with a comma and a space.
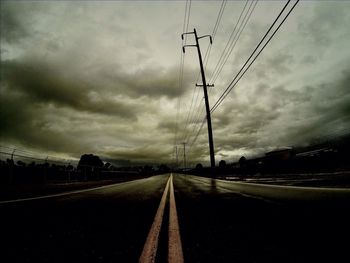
212, 220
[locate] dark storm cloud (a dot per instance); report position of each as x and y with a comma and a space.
326, 23
12, 26
150, 153
327, 111
167, 125
280, 117
44, 84
22, 123
150, 82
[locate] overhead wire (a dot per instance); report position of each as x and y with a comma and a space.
181, 75
181, 70
236, 79
197, 117
229, 88
228, 42
235, 39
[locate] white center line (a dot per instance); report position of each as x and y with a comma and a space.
150, 248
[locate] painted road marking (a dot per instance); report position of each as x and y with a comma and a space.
149, 251
67, 193
175, 254
58, 195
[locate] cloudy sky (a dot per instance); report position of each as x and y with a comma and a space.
103, 78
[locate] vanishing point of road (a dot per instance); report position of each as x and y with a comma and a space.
179, 218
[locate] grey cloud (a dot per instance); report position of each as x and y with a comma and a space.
309, 60
282, 117
324, 112
12, 27
325, 24
44, 84
281, 62
167, 126
22, 123
150, 153
154, 82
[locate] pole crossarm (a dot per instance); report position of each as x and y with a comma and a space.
210, 38
208, 85
187, 33
183, 47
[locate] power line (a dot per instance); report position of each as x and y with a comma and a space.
231, 39
235, 40
230, 88
216, 26
182, 62
237, 77
198, 132
200, 110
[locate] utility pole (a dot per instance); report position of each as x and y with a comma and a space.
184, 154
12, 167
177, 157
204, 83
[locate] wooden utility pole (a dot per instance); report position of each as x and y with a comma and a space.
204, 84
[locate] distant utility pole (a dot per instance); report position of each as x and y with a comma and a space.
184, 154
204, 84
177, 157
12, 167
13, 152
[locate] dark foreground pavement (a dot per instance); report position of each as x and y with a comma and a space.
105, 225
216, 225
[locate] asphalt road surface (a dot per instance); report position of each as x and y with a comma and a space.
190, 218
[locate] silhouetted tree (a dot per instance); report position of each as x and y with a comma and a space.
242, 162
163, 168
90, 160
20, 163
243, 165
199, 166
222, 164
147, 169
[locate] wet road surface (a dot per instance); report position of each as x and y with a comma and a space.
215, 222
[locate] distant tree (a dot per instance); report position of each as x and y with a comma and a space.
20, 163
163, 168
147, 169
222, 164
242, 162
90, 160
199, 166
243, 166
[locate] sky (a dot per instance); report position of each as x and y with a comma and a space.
104, 78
